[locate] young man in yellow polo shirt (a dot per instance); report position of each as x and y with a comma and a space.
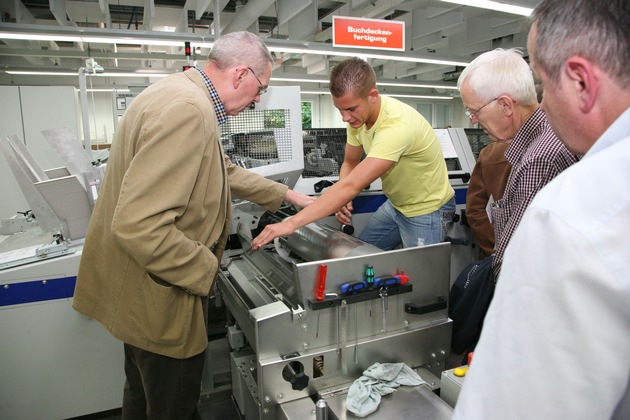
401, 148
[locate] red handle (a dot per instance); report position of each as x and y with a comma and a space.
321, 282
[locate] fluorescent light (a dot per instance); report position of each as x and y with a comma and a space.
35, 32
315, 92
428, 85
130, 74
90, 39
109, 90
106, 74
38, 37
417, 85
41, 73
396, 95
342, 53
294, 79
493, 5
402, 95
130, 40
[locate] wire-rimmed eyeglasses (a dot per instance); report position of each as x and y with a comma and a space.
475, 113
262, 89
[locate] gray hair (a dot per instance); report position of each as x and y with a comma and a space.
500, 72
352, 75
597, 30
238, 48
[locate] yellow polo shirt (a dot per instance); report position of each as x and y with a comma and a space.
418, 183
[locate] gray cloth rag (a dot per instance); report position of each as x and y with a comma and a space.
364, 395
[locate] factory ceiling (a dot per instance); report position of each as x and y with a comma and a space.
433, 28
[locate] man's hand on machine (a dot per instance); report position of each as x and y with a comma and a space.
344, 215
270, 232
297, 199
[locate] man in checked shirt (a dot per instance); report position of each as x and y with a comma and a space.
499, 94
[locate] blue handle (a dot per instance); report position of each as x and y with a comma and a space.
386, 281
349, 288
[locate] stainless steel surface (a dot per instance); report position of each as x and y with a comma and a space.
451, 386
301, 346
415, 348
405, 403
244, 389
302, 409
428, 267
316, 241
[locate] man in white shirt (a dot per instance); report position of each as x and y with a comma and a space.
556, 337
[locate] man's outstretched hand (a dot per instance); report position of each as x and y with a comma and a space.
270, 232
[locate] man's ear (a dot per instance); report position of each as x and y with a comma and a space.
373, 95
507, 105
583, 78
237, 76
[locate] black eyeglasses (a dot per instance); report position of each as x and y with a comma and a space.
262, 89
475, 113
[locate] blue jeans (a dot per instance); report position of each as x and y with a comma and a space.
387, 227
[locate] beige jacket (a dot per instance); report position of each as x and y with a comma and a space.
161, 220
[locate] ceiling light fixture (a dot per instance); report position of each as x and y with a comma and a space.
418, 85
282, 78
349, 53
41, 73
113, 36
494, 5
428, 85
109, 90
402, 95
105, 74
396, 95
97, 40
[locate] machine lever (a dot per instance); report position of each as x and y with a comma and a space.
463, 176
396, 280
294, 374
320, 289
457, 241
413, 309
353, 287
320, 185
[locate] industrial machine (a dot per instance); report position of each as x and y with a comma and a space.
305, 320
317, 308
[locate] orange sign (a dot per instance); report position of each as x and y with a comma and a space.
368, 33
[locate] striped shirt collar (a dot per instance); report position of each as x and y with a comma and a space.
214, 95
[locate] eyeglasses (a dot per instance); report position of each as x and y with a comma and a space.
475, 113
262, 89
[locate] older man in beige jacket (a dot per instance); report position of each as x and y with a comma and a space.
161, 222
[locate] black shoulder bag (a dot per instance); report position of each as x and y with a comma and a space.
469, 299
